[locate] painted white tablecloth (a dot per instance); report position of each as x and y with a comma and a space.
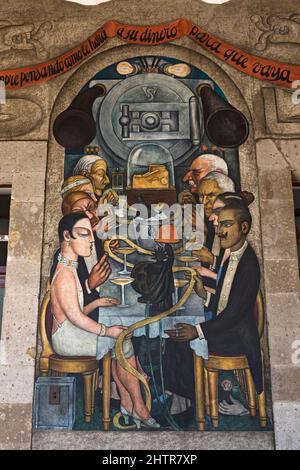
105, 344
135, 312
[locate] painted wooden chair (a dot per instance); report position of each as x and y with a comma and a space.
88, 366
207, 374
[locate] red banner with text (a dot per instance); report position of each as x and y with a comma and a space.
279, 73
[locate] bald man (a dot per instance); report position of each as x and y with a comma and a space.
200, 167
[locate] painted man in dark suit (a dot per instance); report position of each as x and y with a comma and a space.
233, 330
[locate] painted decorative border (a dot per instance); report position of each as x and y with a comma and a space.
279, 73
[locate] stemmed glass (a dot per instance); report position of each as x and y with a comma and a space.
177, 284
122, 281
125, 250
187, 259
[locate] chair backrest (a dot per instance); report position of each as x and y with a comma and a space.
46, 325
259, 313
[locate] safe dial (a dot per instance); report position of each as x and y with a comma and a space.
150, 120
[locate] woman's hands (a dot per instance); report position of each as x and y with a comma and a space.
115, 331
107, 302
100, 302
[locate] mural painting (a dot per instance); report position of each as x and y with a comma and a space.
157, 313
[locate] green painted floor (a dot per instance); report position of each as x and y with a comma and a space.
185, 421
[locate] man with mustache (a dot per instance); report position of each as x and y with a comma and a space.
232, 331
211, 186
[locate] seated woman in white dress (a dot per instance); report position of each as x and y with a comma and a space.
74, 333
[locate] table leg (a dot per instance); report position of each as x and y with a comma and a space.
206, 388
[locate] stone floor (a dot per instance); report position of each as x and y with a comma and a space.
93, 440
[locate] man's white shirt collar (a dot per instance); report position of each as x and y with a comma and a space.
236, 255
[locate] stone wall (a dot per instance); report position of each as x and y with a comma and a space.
282, 289
23, 166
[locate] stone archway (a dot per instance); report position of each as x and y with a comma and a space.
249, 178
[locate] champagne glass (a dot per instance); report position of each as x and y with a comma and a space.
177, 284
122, 281
187, 259
125, 250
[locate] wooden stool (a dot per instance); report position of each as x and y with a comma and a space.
54, 364
211, 372
106, 391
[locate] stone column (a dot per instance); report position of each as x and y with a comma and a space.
280, 265
22, 165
